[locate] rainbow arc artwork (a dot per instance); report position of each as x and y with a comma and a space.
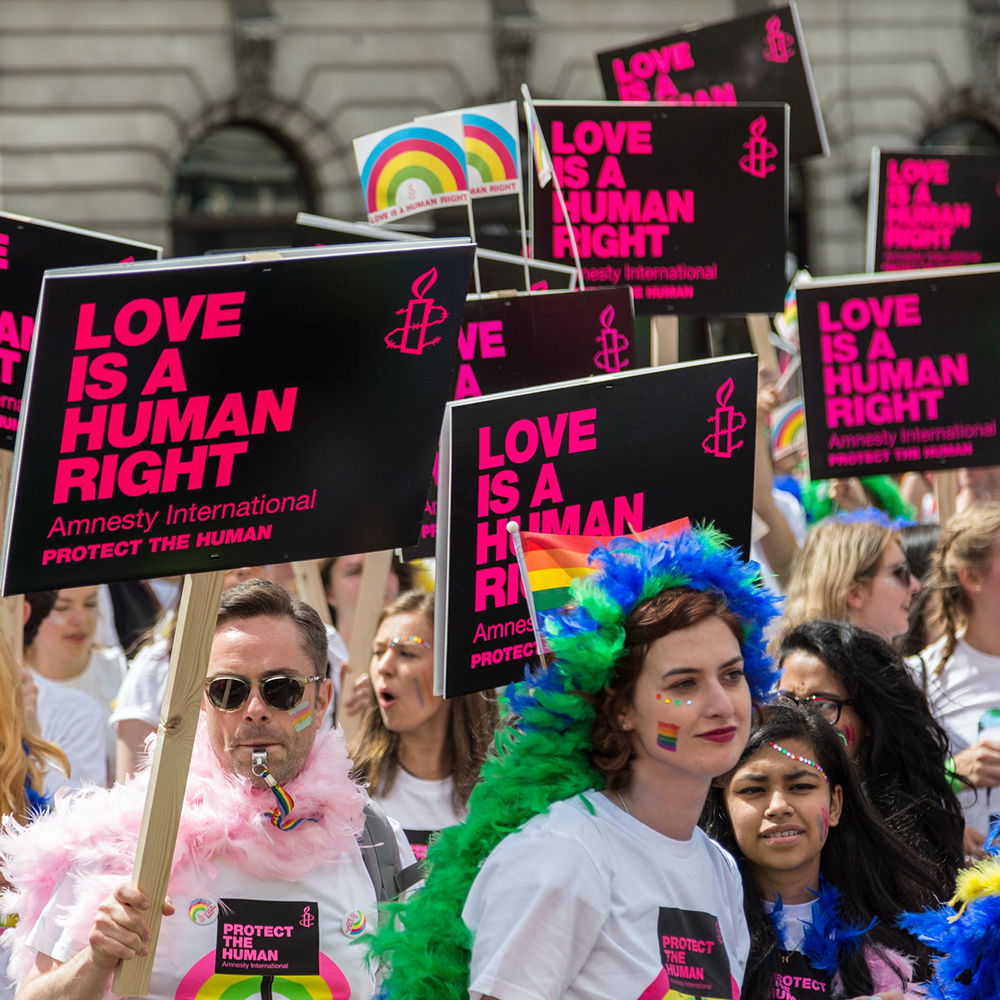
413, 168
491, 149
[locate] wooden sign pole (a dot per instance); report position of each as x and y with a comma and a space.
945, 492
371, 597
760, 336
174, 742
309, 584
663, 340
11, 608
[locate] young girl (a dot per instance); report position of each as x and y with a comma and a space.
824, 878
419, 754
599, 882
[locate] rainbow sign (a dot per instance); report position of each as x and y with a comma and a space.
491, 149
413, 168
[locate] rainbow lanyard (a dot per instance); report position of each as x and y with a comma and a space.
279, 816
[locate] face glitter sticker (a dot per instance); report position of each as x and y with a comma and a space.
801, 760
666, 736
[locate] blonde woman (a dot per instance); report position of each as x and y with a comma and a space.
852, 569
961, 671
420, 754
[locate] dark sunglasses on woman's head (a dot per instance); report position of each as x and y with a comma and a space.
822, 705
282, 691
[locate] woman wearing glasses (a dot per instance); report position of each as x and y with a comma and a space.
961, 671
419, 754
852, 569
861, 686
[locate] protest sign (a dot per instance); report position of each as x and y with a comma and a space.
899, 371
499, 271
688, 205
756, 57
204, 414
597, 456
28, 247
524, 340
928, 208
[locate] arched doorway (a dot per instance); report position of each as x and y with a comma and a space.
239, 187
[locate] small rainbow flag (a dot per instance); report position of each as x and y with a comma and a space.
554, 561
788, 429
543, 162
491, 149
666, 736
412, 168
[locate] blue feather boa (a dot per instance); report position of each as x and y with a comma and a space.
829, 938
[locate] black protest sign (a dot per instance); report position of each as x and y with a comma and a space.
524, 340
933, 209
756, 57
29, 247
600, 456
694, 955
267, 937
688, 205
899, 371
213, 413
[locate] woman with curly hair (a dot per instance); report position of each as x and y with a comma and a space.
861, 686
579, 871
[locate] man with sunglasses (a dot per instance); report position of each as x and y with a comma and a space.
268, 877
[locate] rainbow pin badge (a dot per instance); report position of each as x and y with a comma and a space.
203, 911
354, 924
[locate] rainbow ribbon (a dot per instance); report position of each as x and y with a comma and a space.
280, 816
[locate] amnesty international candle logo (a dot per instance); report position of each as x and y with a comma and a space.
779, 46
727, 421
609, 357
760, 150
307, 919
420, 313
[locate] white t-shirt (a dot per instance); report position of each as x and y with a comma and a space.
586, 903
421, 807
140, 696
961, 698
101, 679
75, 723
185, 964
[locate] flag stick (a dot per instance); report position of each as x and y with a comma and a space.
515, 539
472, 236
524, 238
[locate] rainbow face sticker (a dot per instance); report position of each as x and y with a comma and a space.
301, 715
666, 736
203, 911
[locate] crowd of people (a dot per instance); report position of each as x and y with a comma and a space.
728, 780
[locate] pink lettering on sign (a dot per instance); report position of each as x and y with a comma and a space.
590, 137
779, 46
4, 245
727, 421
421, 313
760, 150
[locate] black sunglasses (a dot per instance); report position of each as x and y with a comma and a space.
822, 705
281, 691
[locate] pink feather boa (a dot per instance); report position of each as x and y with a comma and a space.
94, 833
890, 971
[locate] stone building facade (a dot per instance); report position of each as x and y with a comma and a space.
113, 113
